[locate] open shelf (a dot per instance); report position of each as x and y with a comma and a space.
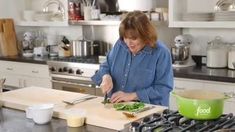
203, 24
179, 7
42, 23
95, 22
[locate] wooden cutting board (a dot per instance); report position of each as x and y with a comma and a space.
8, 41
98, 114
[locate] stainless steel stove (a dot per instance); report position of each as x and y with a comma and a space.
172, 121
74, 74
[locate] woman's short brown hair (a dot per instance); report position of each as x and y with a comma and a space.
141, 26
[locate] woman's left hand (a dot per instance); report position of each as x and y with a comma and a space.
121, 96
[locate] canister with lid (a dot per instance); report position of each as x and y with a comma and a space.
217, 53
231, 56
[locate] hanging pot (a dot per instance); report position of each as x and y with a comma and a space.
200, 104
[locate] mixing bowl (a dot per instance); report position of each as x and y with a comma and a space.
42, 113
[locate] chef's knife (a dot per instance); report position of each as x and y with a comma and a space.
78, 100
105, 98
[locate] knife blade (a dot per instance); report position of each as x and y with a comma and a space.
105, 98
78, 100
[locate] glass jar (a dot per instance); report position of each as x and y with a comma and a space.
217, 53
231, 56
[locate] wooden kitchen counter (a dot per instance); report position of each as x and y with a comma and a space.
97, 113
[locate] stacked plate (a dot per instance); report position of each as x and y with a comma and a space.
224, 16
197, 16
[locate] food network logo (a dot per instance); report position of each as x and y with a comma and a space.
203, 110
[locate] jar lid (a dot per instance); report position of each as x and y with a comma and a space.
216, 41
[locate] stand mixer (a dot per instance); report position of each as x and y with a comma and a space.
180, 52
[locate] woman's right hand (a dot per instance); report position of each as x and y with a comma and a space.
106, 84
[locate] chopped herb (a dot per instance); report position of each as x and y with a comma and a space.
129, 107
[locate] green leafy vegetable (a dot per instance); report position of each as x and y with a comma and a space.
129, 107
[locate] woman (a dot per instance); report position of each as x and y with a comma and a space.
138, 67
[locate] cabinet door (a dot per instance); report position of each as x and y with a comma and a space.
183, 84
12, 80
20, 75
229, 104
8, 67
34, 70
39, 82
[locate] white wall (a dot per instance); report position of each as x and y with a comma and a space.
53, 33
203, 36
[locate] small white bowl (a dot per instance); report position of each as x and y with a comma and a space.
42, 113
28, 54
29, 113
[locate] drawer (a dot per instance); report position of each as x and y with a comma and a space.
34, 70
8, 67
183, 84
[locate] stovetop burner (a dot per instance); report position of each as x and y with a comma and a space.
172, 121
84, 59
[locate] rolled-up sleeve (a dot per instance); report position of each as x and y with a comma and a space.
158, 92
104, 69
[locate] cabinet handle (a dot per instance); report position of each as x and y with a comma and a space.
230, 94
24, 83
178, 88
9, 69
34, 71
20, 84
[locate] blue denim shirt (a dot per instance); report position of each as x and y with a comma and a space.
149, 73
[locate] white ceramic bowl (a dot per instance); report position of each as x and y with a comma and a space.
28, 54
42, 113
29, 112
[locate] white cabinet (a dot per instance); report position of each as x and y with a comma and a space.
178, 7
20, 75
182, 84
